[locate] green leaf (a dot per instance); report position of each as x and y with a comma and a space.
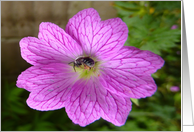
126, 4
151, 31
18, 108
26, 127
155, 75
166, 5
15, 93
135, 101
45, 126
46, 115
177, 98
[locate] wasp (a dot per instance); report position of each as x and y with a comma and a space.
87, 62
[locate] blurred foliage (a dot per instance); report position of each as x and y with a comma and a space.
149, 26
150, 23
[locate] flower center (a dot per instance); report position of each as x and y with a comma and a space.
86, 67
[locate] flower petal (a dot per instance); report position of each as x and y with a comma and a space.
129, 71
90, 101
36, 52
49, 85
53, 34
53, 45
98, 38
135, 61
127, 84
111, 41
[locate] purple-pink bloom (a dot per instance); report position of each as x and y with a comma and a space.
174, 27
104, 91
174, 88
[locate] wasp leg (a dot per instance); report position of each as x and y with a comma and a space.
74, 67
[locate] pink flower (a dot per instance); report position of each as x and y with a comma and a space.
87, 93
174, 27
174, 88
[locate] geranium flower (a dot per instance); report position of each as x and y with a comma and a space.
174, 88
174, 27
87, 93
